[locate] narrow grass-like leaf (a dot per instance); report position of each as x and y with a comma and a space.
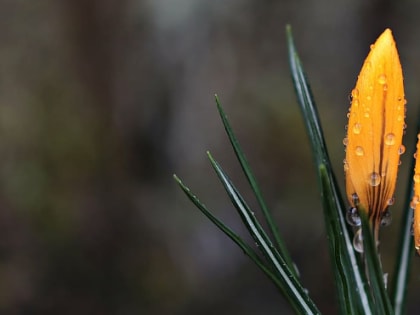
306, 102
342, 249
248, 250
255, 188
373, 268
348, 276
292, 289
403, 264
405, 247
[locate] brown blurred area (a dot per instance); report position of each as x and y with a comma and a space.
102, 101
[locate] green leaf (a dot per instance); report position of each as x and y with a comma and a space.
255, 188
405, 248
352, 294
232, 235
346, 269
373, 268
291, 288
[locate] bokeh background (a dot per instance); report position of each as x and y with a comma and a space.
102, 101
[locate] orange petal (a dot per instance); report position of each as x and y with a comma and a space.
415, 203
375, 129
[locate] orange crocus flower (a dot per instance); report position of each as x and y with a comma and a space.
415, 202
375, 131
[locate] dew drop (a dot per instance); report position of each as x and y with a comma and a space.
391, 201
359, 151
368, 97
348, 115
355, 93
386, 218
357, 127
418, 136
374, 179
372, 46
400, 118
401, 149
353, 217
367, 115
382, 79
358, 241
416, 177
414, 202
346, 167
355, 199
368, 65
355, 103
415, 155
345, 141
390, 139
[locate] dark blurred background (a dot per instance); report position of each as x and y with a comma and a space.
102, 101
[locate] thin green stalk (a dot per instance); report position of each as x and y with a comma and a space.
405, 247
256, 189
373, 267
349, 279
292, 289
232, 235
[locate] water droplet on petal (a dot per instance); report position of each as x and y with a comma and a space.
386, 218
374, 179
368, 97
390, 139
345, 141
367, 115
415, 155
401, 149
391, 201
348, 115
357, 127
382, 79
414, 202
359, 151
355, 93
345, 165
358, 241
353, 217
355, 199
355, 103
416, 178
